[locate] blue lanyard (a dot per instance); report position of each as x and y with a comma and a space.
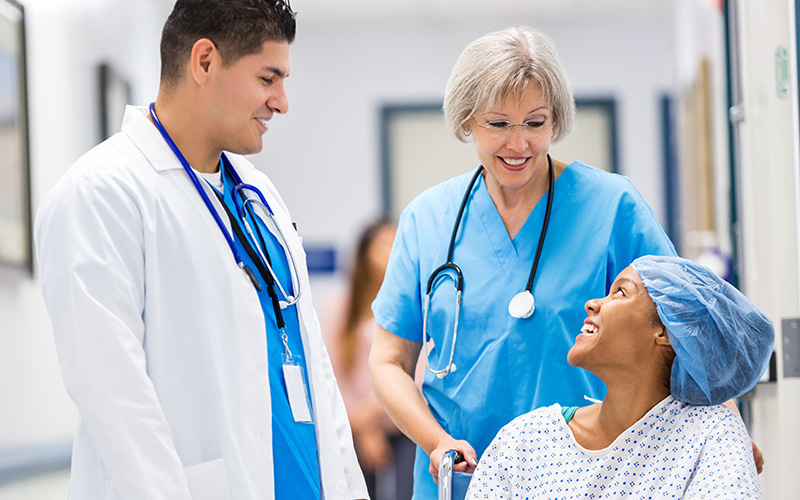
202, 192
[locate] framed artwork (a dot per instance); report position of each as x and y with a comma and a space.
593, 141
115, 94
16, 243
418, 152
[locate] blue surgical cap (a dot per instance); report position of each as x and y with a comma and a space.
722, 341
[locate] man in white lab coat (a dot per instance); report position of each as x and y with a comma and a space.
178, 289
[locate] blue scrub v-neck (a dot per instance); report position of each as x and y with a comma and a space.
523, 246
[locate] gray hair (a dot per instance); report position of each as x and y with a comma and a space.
502, 64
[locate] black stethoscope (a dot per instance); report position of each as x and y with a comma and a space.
521, 305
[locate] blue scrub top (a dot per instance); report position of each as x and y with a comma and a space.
294, 445
505, 366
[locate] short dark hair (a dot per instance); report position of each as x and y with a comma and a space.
237, 27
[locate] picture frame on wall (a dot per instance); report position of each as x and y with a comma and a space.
16, 242
417, 152
115, 94
594, 139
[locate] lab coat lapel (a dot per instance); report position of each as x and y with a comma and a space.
148, 140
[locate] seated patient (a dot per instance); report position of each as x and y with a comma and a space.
671, 341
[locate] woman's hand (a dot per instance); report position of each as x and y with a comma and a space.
392, 363
758, 457
464, 448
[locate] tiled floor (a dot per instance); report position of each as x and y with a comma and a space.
51, 486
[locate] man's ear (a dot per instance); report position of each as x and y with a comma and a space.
203, 58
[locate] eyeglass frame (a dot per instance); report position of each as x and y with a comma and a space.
508, 129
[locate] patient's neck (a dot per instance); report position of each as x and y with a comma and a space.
596, 427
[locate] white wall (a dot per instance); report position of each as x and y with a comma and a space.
770, 220
66, 41
324, 155
341, 75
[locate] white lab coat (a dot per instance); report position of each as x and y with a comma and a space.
161, 336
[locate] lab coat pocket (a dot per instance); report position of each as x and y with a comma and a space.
208, 480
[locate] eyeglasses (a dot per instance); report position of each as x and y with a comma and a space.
535, 127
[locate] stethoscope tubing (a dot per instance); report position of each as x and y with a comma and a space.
450, 365
458, 282
459, 279
241, 208
289, 299
545, 224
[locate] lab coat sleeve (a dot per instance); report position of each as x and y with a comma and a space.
89, 239
636, 232
726, 468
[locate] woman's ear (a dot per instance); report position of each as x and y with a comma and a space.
661, 337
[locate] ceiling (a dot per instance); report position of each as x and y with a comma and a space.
338, 11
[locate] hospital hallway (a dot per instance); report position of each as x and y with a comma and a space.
694, 101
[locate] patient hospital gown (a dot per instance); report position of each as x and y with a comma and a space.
676, 450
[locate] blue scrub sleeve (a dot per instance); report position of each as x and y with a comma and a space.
636, 233
398, 305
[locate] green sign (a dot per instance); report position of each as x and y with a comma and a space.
782, 72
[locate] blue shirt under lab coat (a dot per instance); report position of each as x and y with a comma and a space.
506, 366
294, 445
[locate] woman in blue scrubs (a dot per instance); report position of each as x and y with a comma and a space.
509, 94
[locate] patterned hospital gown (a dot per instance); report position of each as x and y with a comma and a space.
676, 450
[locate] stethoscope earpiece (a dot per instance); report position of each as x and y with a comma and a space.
447, 370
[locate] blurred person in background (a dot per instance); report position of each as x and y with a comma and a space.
385, 454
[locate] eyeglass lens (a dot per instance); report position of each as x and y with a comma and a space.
502, 128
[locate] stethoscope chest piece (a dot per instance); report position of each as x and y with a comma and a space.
521, 305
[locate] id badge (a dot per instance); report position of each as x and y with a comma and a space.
296, 390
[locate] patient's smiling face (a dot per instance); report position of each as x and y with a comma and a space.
620, 329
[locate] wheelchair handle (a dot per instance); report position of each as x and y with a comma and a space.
449, 458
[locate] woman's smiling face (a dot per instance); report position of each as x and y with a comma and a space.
620, 329
511, 159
